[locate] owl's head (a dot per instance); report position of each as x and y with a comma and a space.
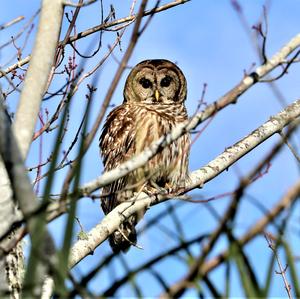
155, 81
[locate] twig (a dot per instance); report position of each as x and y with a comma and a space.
12, 22
282, 270
21, 32
61, 45
101, 27
36, 78
146, 266
285, 69
284, 138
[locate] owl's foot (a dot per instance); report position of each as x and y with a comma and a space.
170, 188
154, 188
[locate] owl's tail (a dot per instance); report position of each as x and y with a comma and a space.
124, 237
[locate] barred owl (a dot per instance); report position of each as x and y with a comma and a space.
154, 96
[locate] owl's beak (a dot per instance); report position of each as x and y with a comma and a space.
156, 95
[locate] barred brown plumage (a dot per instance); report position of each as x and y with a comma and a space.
153, 105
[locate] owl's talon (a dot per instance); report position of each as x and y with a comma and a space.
153, 188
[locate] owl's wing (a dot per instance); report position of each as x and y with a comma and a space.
117, 145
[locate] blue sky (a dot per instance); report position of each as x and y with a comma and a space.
210, 45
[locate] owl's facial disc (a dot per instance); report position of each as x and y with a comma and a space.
155, 81
157, 86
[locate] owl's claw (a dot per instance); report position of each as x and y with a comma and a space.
153, 188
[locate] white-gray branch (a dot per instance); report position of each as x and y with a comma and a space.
112, 221
23, 127
42, 59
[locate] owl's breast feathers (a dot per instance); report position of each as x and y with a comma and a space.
170, 165
132, 127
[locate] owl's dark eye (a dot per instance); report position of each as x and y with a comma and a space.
165, 82
146, 83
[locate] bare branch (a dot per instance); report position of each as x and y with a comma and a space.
12, 22
112, 221
238, 150
19, 34
229, 98
23, 194
38, 71
293, 151
282, 271
228, 215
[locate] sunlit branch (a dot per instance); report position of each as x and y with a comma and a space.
22, 193
112, 220
12, 22
37, 74
230, 214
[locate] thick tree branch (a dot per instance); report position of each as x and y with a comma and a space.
38, 71
275, 124
26, 116
23, 195
229, 98
228, 217
112, 221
